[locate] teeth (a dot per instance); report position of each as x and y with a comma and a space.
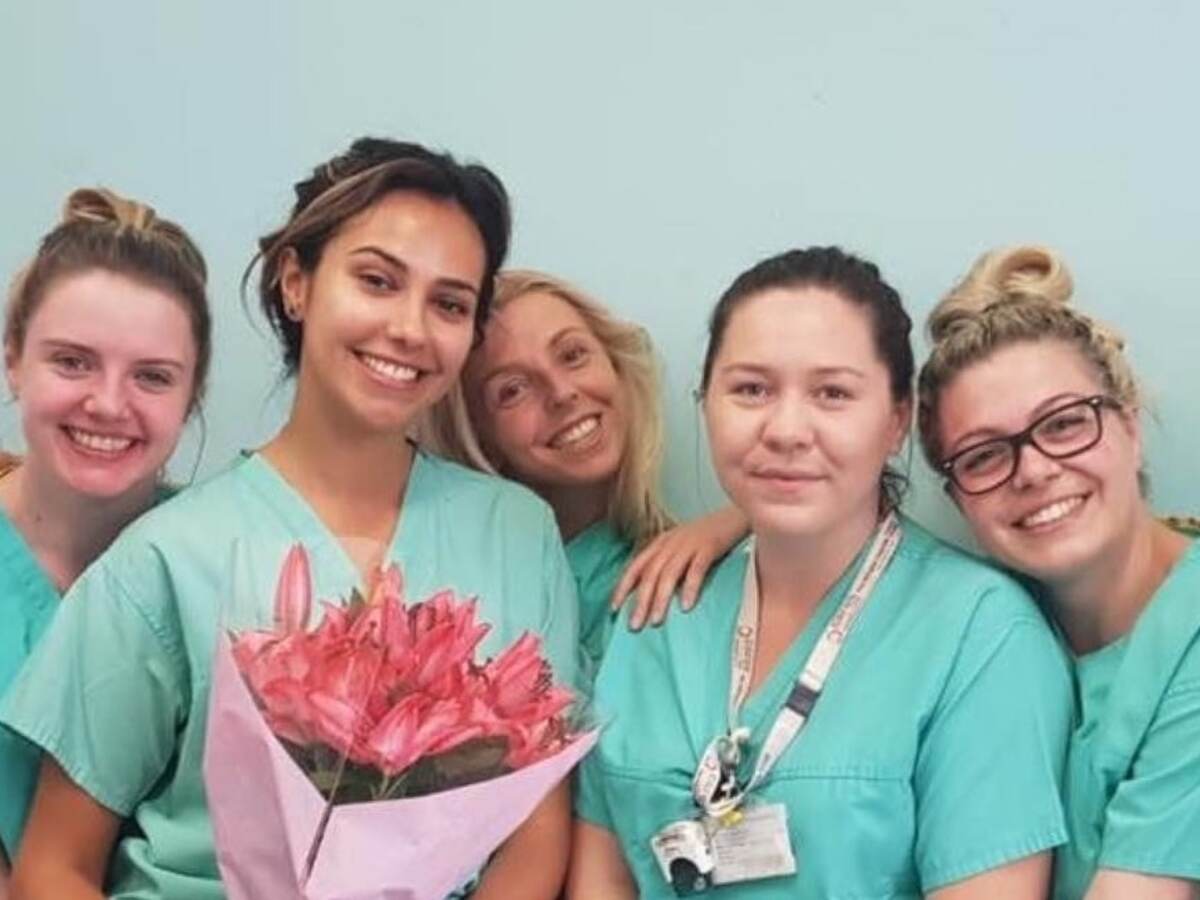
390, 370
1051, 513
577, 432
101, 443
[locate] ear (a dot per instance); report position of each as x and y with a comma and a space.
1131, 420
12, 357
903, 424
294, 281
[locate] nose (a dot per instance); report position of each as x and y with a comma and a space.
788, 425
406, 320
560, 390
107, 399
1034, 467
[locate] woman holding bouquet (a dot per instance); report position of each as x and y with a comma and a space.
1029, 408
563, 396
106, 343
854, 708
377, 286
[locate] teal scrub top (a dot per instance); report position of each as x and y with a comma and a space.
117, 691
934, 753
29, 602
597, 556
1133, 776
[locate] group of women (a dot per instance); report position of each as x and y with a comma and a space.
845, 707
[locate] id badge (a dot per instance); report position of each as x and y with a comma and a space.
756, 845
684, 856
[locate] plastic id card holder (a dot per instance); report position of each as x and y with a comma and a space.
695, 855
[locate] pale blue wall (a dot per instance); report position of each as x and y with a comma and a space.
654, 150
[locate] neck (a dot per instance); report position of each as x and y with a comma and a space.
67, 530
335, 465
797, 572
577, 507
1098, 605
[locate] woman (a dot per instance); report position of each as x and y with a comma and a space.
564, 397
928, 763
107, 342
1029, 408
376, 285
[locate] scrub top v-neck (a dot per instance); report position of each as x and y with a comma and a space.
117, 691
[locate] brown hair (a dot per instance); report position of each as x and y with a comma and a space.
1011, 296
345, 186
857, 281
103, 230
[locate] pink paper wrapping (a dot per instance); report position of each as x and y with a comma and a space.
265, 811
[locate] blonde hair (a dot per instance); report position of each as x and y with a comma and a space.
1011, 296
635, 508
100, 229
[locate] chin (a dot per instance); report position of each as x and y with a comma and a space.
102, 487
1048, 559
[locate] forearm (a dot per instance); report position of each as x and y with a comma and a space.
532, 863
1112, 884
598, 867
46, 882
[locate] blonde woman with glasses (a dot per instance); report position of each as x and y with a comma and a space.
1030, 410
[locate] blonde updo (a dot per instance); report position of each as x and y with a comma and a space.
100, 229
1011, 296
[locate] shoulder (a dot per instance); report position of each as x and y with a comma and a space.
188, 511
956, 572
469, 491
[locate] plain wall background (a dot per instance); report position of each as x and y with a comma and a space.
653, 151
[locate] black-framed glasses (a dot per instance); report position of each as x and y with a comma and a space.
1062, 432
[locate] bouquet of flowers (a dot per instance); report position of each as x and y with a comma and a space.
372, 755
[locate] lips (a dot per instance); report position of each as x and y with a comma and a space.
97, 443
1050, 513
579, 433
786, 475
390, 371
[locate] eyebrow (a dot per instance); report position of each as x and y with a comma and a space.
820, 371
980, 435
511, 368
398, 263
566, 332
58, 344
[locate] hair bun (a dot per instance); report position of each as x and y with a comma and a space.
1023, 274
103, 206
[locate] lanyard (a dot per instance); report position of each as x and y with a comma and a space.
714, 785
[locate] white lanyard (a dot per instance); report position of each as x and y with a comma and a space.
714, 785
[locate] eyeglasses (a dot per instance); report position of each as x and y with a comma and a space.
1062, 432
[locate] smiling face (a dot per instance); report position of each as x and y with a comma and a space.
1054, 518
546, 397
104, 380
800, 413
388, 312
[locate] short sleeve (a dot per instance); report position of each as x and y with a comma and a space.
560, 623
590, 802
102, 692
1152, 823
990, 766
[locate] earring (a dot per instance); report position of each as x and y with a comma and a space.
292, 312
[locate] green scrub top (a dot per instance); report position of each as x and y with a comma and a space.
934, 753
117, 691
1133, 775
29, 602
597, 556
